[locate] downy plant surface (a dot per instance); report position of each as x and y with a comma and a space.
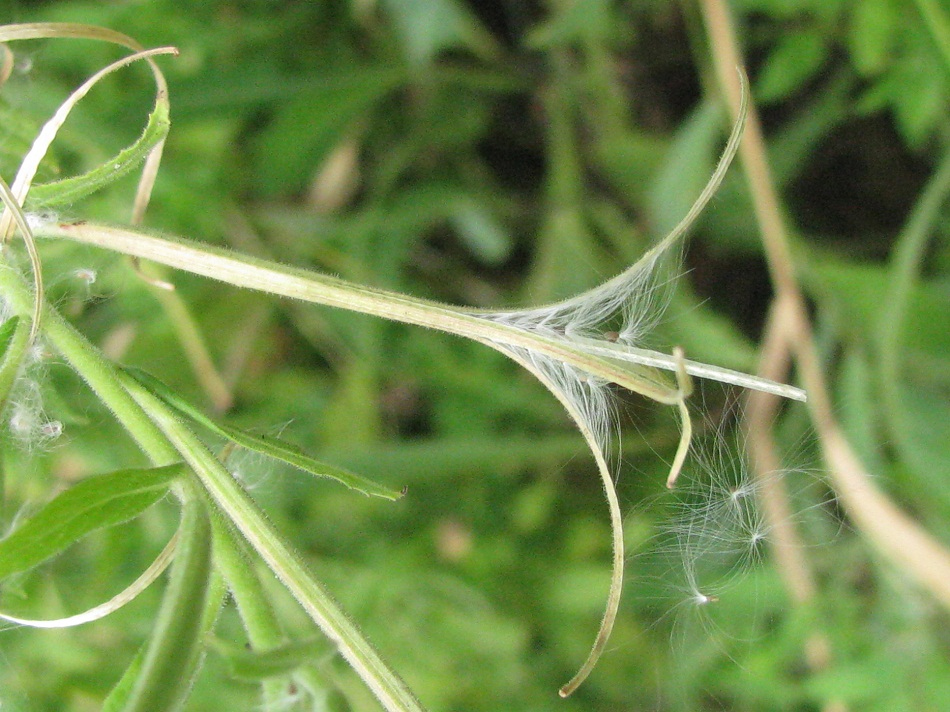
497, 156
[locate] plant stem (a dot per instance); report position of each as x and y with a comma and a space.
901, 539
166, 441
260, 621
95, 370
391, 691
10, 363
174, 650
611, 362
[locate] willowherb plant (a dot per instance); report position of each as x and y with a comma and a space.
576, 348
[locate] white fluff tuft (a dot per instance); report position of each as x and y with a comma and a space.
630, 304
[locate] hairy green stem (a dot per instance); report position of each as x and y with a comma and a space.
319, 604
12, 357
611, 362
174, 650
263, 627
166, 441
94, 369
261, 623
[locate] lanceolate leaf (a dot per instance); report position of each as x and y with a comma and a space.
14, 338
6, 333
292, 455
119, 695
270, 446
95, 503
69, 190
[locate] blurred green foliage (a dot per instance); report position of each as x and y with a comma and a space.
491, 154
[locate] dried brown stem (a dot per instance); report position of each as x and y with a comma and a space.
760, 414
895, 535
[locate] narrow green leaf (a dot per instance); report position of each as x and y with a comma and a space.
95, 503
14, 338
121, 692
69, 190
265, 445
6, 333
292, 455
257, 665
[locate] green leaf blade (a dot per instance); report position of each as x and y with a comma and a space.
270, 446
292, 455
70, 190
96, 503
14, 339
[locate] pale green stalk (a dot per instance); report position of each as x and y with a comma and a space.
167, 443
173, 653
631, 368
245, 271
260, 621
391, 691
10, 364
